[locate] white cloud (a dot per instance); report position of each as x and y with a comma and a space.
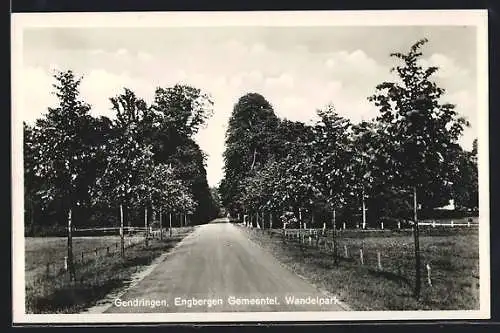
94, 52
448, 67
283, 82
144, 56
121, 52
352, 63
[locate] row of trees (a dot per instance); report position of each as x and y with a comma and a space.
405, 158
364, 171
143, 158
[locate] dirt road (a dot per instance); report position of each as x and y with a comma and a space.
218, 269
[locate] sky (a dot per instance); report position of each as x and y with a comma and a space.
297, 69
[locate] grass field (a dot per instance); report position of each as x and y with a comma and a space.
53, 293
452, 254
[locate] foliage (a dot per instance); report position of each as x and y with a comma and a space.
145, 156
421, 128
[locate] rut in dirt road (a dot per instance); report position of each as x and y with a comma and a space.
218, 269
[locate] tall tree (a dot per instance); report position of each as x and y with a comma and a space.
332, 162
61, 143
175, 116
62, 148
129, 160
421, 129
249, 144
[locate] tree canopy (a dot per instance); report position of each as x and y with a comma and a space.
278, 164
144, 157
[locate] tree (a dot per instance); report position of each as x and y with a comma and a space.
370, 172
185, 108
332, 161
421, 130
214, 192
129, 162
249, 144
62, 148
175, 116
464, 187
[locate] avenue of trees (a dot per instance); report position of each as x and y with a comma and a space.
93, 167
359, 173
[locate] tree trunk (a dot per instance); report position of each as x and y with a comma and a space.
161, 226
363, 207
253, 160
122, 233
170, 224
417, 244
71, 267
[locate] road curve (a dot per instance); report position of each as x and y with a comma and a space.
218, 269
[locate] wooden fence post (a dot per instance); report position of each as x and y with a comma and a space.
122, 233
70, 267
429, 281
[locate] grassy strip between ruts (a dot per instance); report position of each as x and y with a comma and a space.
454, 260
95, 279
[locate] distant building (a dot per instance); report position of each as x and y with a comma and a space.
449, 206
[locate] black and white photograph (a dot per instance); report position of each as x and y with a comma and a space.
250, 166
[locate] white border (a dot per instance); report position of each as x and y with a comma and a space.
476, 18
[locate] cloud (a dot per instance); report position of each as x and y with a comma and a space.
121, 52
144, 56
96, 88
283, 82
352, 63
448, 67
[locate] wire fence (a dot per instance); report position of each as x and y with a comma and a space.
449, 255
89, 250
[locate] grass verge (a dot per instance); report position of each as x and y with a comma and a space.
95, 279
453, 257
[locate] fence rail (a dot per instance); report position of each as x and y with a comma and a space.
393, 259
59, 265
